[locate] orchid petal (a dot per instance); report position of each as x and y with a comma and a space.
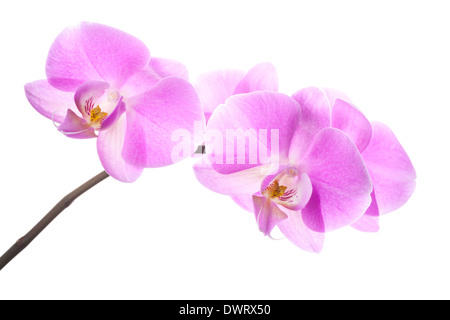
316, 115
299, 234
267, 214
392, 173
215, 87
93, 51
115, 54
48, 101
154, 117
75, 127
349, 119
262, 77
109, 146
267, 120
68, 65
340, 181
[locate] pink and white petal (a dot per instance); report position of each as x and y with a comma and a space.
245, 201
262, 77
49, 101
393, 175
267, 214
76, 127
168, 68
340, 181
116, 55
316, 115
87, 95
245, 182
109, 146
215, 87
154, 120
262, 123
299, 234
349, 119
68, 65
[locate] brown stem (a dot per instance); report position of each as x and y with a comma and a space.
65, 202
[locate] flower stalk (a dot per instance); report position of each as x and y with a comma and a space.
63, 204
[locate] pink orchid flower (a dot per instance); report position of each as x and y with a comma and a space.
306, 187
102, 83
390, 169
215, 87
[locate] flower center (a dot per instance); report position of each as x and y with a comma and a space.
97, 116
274, 190
288, 189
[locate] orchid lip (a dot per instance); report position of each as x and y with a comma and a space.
289, 188
97, 111
93, 113
282, 188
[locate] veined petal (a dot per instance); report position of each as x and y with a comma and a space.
154, 119
215, 87
392, 173
267, 214
109, 146
349, 119
76, 127
115, 54
316, 115
68, 65
93, 51
251, 130
262, 77
340, 181
49, 101
299, 234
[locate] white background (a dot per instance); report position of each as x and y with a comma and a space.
166, 236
